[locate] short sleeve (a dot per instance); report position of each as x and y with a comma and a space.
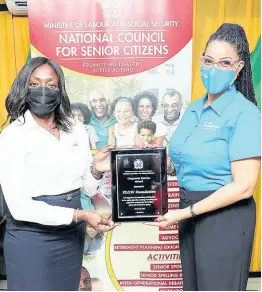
245, 139
160, 129
93, 136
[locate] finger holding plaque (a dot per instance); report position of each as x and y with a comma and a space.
139, 184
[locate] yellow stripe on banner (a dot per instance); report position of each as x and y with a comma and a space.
255, 24
255, 32
248, 18
22, 41
7, 60
255, 263
221, 11
109, 264
194, 18
256, 256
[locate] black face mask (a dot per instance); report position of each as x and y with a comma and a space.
42, 101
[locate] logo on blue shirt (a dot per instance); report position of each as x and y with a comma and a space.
210, 126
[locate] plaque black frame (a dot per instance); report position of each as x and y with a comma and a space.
116, 177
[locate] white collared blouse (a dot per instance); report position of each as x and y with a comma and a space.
33, 163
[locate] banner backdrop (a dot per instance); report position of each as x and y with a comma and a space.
137, 49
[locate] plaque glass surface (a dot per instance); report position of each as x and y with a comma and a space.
139, 184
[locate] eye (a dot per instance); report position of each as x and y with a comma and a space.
33, 84
225, 63
208, 61
52, 85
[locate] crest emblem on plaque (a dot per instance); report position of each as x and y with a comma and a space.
138, 164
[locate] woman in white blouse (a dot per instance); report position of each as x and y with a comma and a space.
44, 161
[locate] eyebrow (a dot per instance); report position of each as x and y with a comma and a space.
46, 79
220, 58
226, 58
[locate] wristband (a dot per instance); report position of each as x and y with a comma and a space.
192, 212
99, 174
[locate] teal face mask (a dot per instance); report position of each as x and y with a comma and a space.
216, 80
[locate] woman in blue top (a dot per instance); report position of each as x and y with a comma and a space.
216, 153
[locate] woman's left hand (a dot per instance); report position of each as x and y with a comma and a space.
96, 221
170, 218
101, 160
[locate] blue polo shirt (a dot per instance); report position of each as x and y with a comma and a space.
101, 130
207, 140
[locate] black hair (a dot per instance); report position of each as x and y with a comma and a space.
146, 125
145, 94
83, 108
16, 104
235, 35
120, 98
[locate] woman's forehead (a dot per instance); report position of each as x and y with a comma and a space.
44, 72
145, 100
123, 104
220, 49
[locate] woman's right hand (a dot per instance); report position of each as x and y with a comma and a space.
95, 220
101, 159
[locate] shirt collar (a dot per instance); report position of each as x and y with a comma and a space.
32, 123
28, 119
218, 105
94, 119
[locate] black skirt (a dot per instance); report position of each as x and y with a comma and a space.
40, 257
216, 247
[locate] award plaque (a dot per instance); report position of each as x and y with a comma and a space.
139, 184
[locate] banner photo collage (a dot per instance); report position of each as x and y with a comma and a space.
128, 70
